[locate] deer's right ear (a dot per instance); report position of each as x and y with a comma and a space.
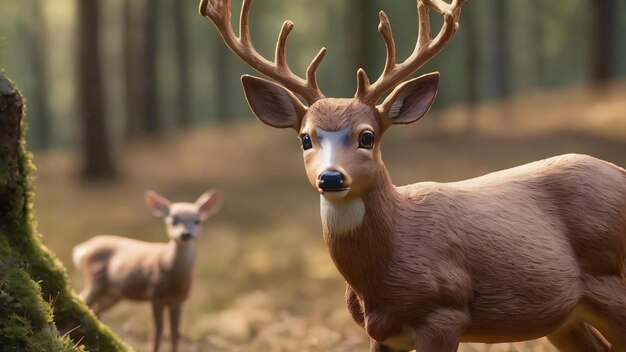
272, 104
159, 205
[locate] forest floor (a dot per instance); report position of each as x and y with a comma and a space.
264, 281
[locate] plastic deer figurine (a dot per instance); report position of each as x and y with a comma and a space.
116, 267
537, 250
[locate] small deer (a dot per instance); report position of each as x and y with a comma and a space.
118, 268
537, 250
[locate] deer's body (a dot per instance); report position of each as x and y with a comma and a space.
137, 270
118, 268
512, 254
533, 251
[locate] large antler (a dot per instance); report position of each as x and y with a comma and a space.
425, 49
218, 11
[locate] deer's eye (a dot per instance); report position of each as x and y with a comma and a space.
175, 220
306, 142
197, 222
366, 140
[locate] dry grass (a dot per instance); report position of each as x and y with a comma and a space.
264, 281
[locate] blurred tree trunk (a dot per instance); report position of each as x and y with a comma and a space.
41, 116
499, 67
131, 76
471, 68
361, 41
182, 61
97, 161
537, 30
147, 63
603, 18
222, 87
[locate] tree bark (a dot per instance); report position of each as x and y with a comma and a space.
97, 161
11, 111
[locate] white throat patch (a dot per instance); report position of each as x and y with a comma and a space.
341, 216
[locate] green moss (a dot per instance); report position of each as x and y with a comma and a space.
34, 274
26, 320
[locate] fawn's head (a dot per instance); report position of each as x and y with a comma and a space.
183, 220
340, 137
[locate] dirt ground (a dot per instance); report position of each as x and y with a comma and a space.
264, 281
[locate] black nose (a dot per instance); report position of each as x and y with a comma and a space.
185, 236
331, 181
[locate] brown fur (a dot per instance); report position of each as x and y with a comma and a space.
514, 254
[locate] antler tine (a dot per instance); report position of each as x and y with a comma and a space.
281, 45
425, 34
211, 9
425, 49
218, 11
244, 22
384, 27
363, 84
312, 69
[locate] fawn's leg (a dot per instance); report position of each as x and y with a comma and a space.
157, 312
175, 312
104, 302
89, 294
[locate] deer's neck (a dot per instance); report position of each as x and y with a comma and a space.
180, 257
359, 233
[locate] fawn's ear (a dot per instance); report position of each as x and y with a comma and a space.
209, 203
158, 204
272, 104
410, 101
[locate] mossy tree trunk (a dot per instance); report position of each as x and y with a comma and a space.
36, 298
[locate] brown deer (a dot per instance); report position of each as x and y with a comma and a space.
537, 250
117, 267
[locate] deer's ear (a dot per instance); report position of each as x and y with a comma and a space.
273, 104
411, 100
209, 203
158, 204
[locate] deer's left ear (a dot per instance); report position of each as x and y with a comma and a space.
209, 203
410, 101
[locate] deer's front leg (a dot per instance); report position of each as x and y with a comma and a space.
157, 314
175, 312
441, 332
